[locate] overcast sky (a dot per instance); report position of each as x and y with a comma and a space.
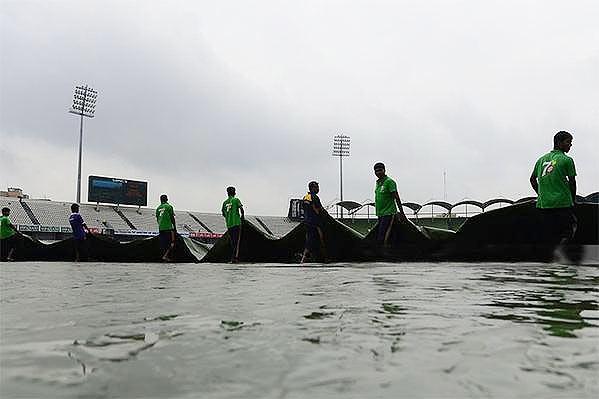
198, 95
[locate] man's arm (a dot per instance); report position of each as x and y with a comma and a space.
572, 184
571, 173
240, 206
399, 206
83, 225
173, 220
534, 183
317, 206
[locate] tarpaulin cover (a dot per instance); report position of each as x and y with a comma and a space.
519, 233
512, 233
406, 242
341, 243
106, 249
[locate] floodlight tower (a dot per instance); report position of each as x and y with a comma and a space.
341, 149
84, 104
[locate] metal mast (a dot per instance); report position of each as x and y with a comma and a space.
84, 104
341, 149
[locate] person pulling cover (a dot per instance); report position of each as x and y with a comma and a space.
385, 198
167, 228
554, 180
79, 229
231, 210
7, 236
313, 221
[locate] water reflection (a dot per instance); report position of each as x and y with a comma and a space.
402, 330
554, 298
559, 318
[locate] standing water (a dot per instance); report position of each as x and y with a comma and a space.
278, 331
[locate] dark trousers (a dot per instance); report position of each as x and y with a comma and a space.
166, 238
6, 245
234, 236
80, 248
559, 225
312, 239
384, 227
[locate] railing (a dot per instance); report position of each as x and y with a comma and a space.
36, 228
29, 212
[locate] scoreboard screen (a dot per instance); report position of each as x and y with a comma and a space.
117, 191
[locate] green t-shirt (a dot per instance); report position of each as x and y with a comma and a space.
383, 196
230, 211
164, 214
5, 230
551, 171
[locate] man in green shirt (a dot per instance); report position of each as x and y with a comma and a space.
554, 180
385, 199
231, 210
7, 236
167, 228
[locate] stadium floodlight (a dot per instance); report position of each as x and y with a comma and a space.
341, 149
84, 104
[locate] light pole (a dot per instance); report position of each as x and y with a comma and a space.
341, 149
84, 104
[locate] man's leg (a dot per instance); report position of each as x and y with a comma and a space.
311, 243
384, 229
12, 247
388, 233
3, 249
234, 236
380, 231
165, 244
83, 250
566, 224
549, 230
76, 247
306, 241
322, 246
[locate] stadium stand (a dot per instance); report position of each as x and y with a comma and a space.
213, 221
17, 213
143, 219
260, 225
51, 213
102, 216
185, 222
278, 225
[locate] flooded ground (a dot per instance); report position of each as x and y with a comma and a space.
276, 331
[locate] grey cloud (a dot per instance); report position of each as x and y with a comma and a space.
197, 95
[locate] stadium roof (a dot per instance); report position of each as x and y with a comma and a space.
353, 206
